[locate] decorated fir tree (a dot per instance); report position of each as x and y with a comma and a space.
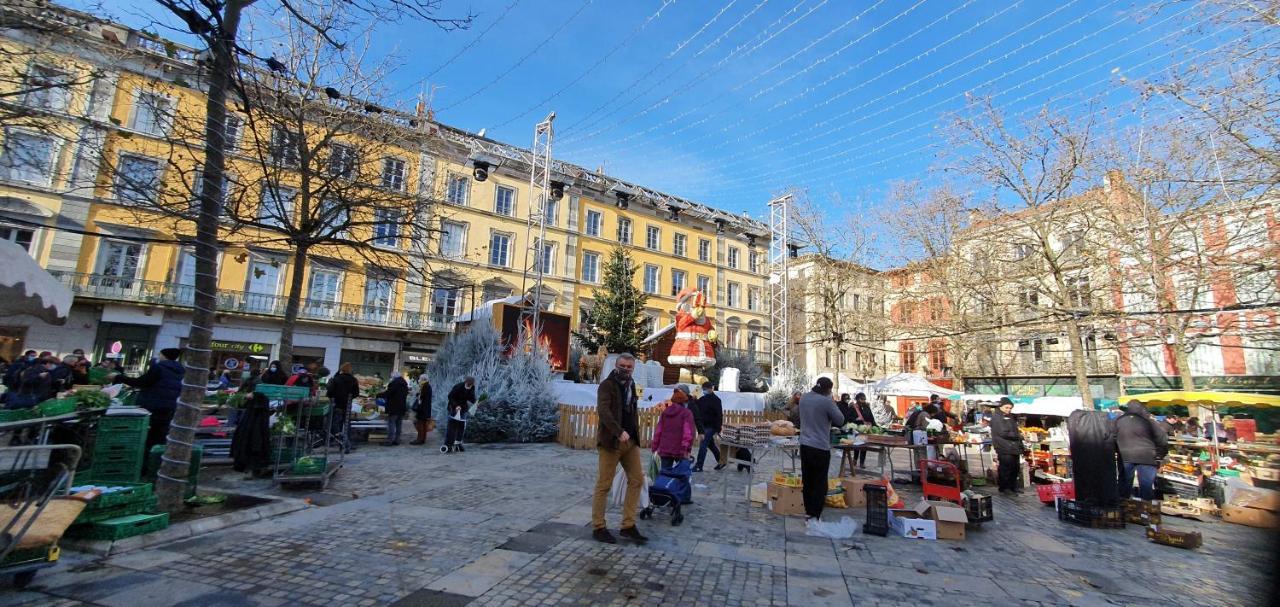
616, 319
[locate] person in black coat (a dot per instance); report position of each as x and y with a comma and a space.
422, 411
862, 415
1142, 443
158, 392
846, 408
1007, 441
396, 397
251, 442
342, 388
710, 419
274, 375
461, 397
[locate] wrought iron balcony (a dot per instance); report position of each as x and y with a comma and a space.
761, 358
115, 288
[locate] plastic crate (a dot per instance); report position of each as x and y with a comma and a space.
313, 465
116, 452
116, 438
979, 509
121, 527
1049, 493
57, 406
877, 522
17, 415
114, 423
1074, 512
114, 472
117, 458
132, 493
316, 411
101, 514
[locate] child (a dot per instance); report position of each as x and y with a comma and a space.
673, 436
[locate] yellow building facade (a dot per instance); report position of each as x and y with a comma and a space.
69, 192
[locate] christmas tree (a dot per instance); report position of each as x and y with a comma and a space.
615, 320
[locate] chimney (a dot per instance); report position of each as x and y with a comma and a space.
1113, 179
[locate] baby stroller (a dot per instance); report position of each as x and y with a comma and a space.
671, 489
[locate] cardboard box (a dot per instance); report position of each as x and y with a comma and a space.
854, 496
911, 524
1254, 497
949, 518
1252, 517
784, 500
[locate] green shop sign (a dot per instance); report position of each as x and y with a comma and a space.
239, 347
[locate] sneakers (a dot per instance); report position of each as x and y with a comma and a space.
632, 534
698, 469
603, 535
720, 466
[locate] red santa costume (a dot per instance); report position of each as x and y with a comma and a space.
694, 332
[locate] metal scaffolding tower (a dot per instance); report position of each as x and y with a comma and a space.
779, 253
540, 192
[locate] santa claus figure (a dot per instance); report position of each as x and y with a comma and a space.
693, 345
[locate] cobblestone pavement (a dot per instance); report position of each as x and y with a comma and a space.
509, 525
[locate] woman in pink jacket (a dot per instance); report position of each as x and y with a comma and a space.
673, 436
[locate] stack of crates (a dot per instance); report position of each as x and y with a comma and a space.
118, 448
877, 510
123, 512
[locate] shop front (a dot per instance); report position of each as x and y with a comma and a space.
237, 356
127, 344
1255, 384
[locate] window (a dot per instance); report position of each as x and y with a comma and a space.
854, 301
704, 250
907, 357
624, 230
335, 216
504, 201
138, 179
453, 239
284, 147
753, 262
386, 227
27, 157
231, 130
591, 267
342, 161
444, 302
1206, 358
753, 298
548, 257
678, 280
322, 294
1192, 293
1029, 299
1260, 356
393, 174
459, 187
1071, 239
1256, 285
153, 114
263, 284
681, 245
551, 210
1078, 293
1021, 251
844, 359
1032, 349
197, 189
499, 249
593, 223
118, 262
47, 89
735, 296
19, 236
704, 285
184, 275
937, 357
826, 357
653, 238
379, 293
276, 207
733, 257
651, 279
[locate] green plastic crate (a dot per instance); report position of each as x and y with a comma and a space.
101, 514
121, 527
17, 415
57, 406
117, 458
111, 423
121, 437
113, 473
316, 411
315, 465
135, 492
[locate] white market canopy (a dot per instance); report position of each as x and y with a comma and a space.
28, 289
1061, 406
910, 384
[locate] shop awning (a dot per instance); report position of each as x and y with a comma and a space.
28, 289
1219, 399
910, 384
1061, 406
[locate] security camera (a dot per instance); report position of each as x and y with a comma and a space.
482, 163
557, 190
480, 170
623, 194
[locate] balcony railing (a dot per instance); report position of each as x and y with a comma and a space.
114, 288
761, 358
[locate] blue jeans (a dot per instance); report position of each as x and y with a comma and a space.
393, 428
708, 442
1146, 481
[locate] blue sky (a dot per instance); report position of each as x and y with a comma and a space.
730, 101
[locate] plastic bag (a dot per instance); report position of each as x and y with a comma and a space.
618, 494
842, 529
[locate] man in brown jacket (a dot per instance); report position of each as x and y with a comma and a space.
617, 437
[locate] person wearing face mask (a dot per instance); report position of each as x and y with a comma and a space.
34, 384
617, 443
673, 435
158, 392
13, 373
274, 375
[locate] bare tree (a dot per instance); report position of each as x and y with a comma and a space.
37, 83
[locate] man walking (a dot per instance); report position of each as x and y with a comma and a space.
395, 396
1142, 443
1007, 440
709, 414
617, 436
158, 391
461, 397
818, 414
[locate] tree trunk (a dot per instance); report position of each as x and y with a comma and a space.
1079, 363
172, 481
292, 305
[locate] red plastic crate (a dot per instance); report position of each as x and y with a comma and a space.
1048, 493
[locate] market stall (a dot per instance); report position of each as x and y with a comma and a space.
901, 390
